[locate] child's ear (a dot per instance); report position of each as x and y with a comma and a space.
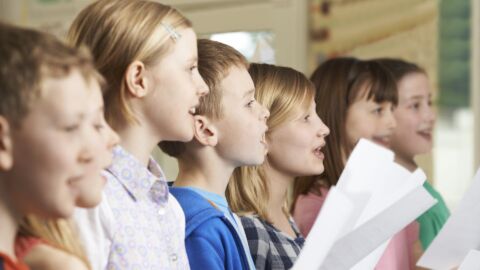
6, 158
136, 80
205, 131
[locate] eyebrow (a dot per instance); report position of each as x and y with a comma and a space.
101, 109
417, 97
249, 92
192, 59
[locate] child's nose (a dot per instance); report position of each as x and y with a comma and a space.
390, 120
86, 156
324, 131
430, 115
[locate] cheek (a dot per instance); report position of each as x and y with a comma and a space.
356, 130
405, 124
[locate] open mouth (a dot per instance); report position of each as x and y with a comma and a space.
382, 140
264, 140
426, 134
318, 152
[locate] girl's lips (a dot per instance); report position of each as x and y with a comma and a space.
263, 141
318, 153
426, 135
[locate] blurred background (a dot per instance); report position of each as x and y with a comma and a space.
441, 36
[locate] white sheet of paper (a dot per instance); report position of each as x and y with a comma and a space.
472, 261
459, 235
359, 246
383, 198
325, 231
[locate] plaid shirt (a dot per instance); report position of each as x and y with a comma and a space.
271, 248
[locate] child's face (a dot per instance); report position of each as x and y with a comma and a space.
241, 129
53, 149
414, 115
370, 120
91, 186
177, 88
295, 146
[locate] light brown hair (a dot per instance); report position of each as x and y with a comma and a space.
27, 57
400, 68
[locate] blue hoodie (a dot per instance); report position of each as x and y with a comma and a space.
211, 240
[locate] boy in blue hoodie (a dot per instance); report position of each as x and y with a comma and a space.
229, 132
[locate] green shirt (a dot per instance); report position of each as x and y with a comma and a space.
432, 221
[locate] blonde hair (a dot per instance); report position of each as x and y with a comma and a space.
58, 233
119, 32
215, 60
282, 91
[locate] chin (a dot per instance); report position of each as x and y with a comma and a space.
65, 212
181, 136
254, 161
89, 202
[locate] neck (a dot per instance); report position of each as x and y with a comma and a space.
138, 141
278, 184
8, 225
406, 161
204, 170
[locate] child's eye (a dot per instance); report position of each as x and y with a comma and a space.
98, 127
250, 103
306, 118
378, 111
194, 67
416, 106
71, 128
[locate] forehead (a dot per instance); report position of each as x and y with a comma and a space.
414, 84
184, 48
68, 94
237, 83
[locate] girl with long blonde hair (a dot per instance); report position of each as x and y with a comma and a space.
295, 138
147, 53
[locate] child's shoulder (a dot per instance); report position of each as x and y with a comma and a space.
254, 225
200, 214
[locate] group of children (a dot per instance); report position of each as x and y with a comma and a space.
258, 145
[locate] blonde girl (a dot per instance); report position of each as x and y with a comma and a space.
147, 53
295, 139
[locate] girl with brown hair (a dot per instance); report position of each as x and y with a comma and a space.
356, 100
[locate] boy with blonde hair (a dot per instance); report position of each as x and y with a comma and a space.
229, 132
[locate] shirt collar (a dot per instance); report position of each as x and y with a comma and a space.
140, 181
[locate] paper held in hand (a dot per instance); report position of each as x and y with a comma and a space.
374, 199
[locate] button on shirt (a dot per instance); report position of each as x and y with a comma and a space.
138, 224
